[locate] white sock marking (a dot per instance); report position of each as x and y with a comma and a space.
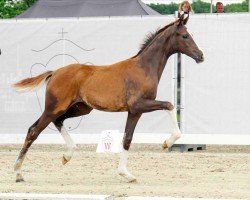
122, 169
69, 142
176, 133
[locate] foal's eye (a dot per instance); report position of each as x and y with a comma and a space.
185, 36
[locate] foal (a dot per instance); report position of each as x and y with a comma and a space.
72, 91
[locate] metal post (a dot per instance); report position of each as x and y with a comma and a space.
176, 72
174, 81
182, 95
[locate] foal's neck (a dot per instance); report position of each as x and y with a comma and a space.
154, 57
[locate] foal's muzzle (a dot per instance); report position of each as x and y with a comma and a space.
200, 57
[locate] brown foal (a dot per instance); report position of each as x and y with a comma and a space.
129, 85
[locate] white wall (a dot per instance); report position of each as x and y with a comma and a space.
216, 93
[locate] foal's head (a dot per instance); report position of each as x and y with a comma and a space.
183, 41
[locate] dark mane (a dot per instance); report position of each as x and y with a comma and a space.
150, 37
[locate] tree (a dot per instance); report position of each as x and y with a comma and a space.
237, 7
165, 8
12, 8
201, 7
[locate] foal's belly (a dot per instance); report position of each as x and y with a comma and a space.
105, 101
105, 95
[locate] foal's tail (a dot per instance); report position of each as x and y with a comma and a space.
29, 84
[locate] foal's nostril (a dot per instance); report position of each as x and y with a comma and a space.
201, 56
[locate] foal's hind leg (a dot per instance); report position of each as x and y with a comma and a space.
54, 107
75, 110
69, 142
32, 135
129, 130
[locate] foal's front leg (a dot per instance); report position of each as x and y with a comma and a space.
176, 133
129, 130
146, 105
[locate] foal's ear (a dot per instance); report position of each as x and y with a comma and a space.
183, 19
186, 17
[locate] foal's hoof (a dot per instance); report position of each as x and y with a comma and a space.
19, 178
164, 145
65, 159
130, 178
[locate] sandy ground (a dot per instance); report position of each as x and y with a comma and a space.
218, 172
